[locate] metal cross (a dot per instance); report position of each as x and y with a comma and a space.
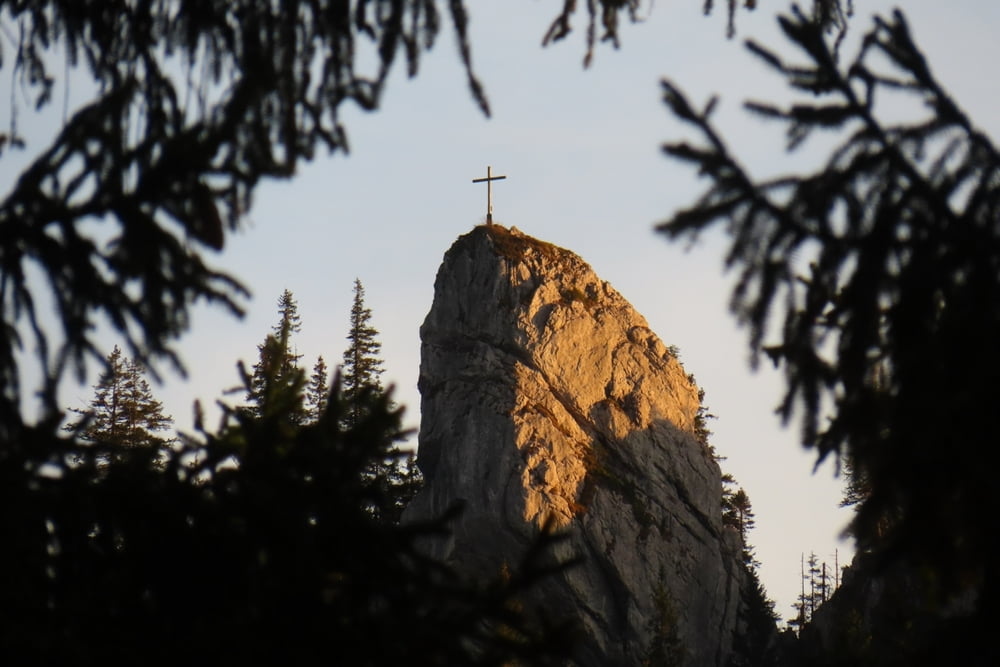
489, 191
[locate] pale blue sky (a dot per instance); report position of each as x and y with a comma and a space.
581, 152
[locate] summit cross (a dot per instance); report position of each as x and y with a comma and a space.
489, 191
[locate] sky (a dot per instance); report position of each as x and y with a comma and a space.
581, 152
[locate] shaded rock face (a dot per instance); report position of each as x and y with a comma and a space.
544, 395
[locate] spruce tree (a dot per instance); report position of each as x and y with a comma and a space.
394, 475
362, 369
801, 606
123, 411
812, 576
277, 369
701, 418
737, 511
318, 390
752, 645
755, 644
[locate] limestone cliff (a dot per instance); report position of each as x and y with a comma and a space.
546, 395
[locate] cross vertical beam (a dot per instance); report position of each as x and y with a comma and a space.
489, 191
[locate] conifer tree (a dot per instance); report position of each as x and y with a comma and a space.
801, 605
737, 511
318, 390
729, 487
362, 367
277, 368
812, 577
752, 645
816, 589
395, 474
701, 418
123, 411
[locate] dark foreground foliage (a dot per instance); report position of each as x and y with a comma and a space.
879, 273
254, 545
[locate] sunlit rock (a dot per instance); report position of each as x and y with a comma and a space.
545, 396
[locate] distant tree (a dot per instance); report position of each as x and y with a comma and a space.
824, 587
123, 411
703, 415
395, 474
729, 487
318, 390
809, 597
362, 368
701, 419
818, 583
886, 258
753, 644
753, 647
277, 366
738, 512
801, 605
815, 588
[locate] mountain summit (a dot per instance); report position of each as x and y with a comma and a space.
546, 397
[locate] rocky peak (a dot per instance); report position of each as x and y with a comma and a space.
546, 397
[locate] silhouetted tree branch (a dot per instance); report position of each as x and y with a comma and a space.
880, 274
195, 104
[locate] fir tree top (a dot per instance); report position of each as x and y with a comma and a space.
362, 365
123, 410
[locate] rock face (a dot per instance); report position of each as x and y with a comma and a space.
546, 396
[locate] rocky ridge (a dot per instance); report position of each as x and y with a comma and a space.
546, 397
